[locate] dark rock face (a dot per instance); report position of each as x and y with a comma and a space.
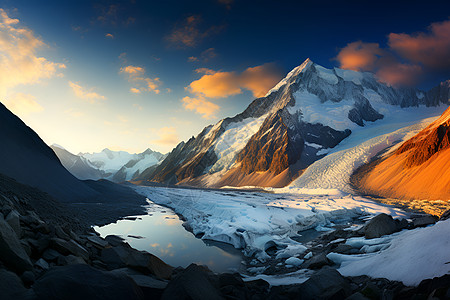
11, 287
11, 251
85, 282
380, 225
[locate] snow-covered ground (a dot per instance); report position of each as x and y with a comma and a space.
409, 256
257, 221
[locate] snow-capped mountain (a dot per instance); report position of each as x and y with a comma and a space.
117, 166
418, 169
79, 166
306, 114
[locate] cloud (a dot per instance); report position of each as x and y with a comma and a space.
205, 56
227, 3
201, 106
432, 49
192, 59
23, 104
167, 136
109, 35
136, 75
407, 58
214, 84
85, 94
19, 62
189, 34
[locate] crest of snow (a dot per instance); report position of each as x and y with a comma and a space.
233, 140
317, 146
296, 71
334, 170
148, 161
349, 75
326, 74
294, 261
412, 256
58, 146
109, 161
256, 221
332, 114
296, 277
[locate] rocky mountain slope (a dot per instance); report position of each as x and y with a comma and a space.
27, 159
418, 169
305, 115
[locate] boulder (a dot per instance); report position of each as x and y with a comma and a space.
70, 247
114, 240
11, 286
61, 233
192, 283
70, 260
380, 225
12, 254
84, 282
317, 261
424, 221
50, 254
97, 241
325, 284
41, 263
13, 219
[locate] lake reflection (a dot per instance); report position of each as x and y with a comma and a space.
162, 234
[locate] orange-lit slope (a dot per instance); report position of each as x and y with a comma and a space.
419, 169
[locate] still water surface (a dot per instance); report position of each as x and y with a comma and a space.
161, 233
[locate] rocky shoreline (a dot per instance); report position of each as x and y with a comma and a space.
46, 253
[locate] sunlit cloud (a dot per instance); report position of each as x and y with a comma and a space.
192, 59
407, 58
257, 79
432, 49
84, 93
109, 35
205, 56
136, 75
189, 34
168, 136
19, 62
201, 106
22, 104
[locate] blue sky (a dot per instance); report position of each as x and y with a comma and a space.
129, 75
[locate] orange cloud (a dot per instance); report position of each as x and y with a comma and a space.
432, 49
109, 35
167, 136
85, 94
398, 74
359, 56
19, 62
214, 84
201, 106
189, 34
136, 75
23, 104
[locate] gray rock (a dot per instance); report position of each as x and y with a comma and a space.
70, 247
28, 278
70, 260
445, 215
317, 261
41, 263
114, 240
13, 219
380, 225
97, 241
325, 284
84, 282
61, 233
357, 296
12, 253
50, 254
11, 286
192, 283
424, 221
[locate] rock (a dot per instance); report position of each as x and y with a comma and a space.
51, 255
342, 248
41, 263
70, 260
380, 225
445, 215
97, 241
14, 221
28, 278
192, 283
424, 221
294, 261
357, 296
84, 282
151, 287
325, 284
11, 286
61, 233
401, 224
317, 261
12, 253
114, 240
70, 247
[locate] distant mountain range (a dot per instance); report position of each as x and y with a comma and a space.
116, 166
279, 135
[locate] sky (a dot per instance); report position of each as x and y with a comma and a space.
131, 75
